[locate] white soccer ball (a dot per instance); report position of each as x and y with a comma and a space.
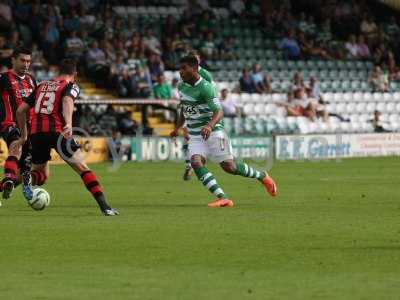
40, 199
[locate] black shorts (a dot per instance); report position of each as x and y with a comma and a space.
11, 134
42, 143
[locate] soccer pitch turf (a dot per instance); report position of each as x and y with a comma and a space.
332, 233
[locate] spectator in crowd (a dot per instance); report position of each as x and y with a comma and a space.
162, 90
174, 89
74, 46
226, 49
228, 105
108, 121
50, 37
97, 63
142, 83
5, 52
156, 67
205, 24
237, 7
246, 83
262, 82
151, 42
124, 84
317, 105
378, 80
298, 83
362, 48
116, 143
208, 47
290, 46
87, 121
379, 126
170, 55
304, 105
126, 124
352, 47
394, 72
369, 28
392, 28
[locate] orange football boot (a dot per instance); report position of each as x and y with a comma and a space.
270, 185
221, 203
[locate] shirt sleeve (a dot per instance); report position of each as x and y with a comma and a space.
211, 98
72, 90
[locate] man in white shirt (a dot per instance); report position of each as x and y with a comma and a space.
228, 105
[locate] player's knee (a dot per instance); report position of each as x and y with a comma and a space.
229, 167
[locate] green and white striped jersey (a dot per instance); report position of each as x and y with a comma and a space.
198, 103
205, 74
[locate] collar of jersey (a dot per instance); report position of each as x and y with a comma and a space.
196, 83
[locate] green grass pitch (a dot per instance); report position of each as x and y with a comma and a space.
332, 233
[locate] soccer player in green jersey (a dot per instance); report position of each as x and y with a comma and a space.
201, 110
188, 167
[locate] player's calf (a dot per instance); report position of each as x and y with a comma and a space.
92, 184
10, 175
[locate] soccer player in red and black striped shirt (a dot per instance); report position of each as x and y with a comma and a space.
52, 106
15, 84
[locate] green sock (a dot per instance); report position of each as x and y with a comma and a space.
245, 170
208, 180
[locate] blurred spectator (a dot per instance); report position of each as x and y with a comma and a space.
97, 64
156, 67
170, 26
72, 21
303, 105
108, 121
352, 47
246, 84
208, 47
237, 7
369, 28
74, 46
394, 72
298, 83
205, 24
392, 28
228, 105
377, 123
6, 16
317, 105
125, 85
116, 143
226, 48
362, 48
127, 125
162, 90
290, 46
170, 56
142, 84
87, 121
151, 42
261, 82
174, 89
5, 52
378, 80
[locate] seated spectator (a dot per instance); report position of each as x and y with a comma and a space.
246, 84
262, 83
170, 57
174, 89
127, 125
237, 7
162, 90
151, 42
377, 123
74, 46
392, 28
303, 105
317, 104
369, 28
205, 24
97, 63
87, 121
5, 52
156, 67
72, 21
394, 72
351, 47
290, 46
124, 84
228, 105
208, 47
226, 49
108, 121
362, 48
116, 143
142, 83
298, 83
378, 80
